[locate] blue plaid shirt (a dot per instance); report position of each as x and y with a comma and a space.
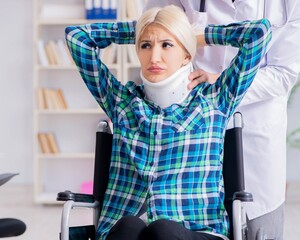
171, 158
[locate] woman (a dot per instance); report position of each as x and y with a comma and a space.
168, 142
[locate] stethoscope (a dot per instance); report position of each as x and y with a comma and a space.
202, 6
202, 9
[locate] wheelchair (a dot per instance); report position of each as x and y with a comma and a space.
233, 173
10, 227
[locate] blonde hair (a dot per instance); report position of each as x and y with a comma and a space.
172, 18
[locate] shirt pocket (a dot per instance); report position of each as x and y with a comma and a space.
188, 121
133, 115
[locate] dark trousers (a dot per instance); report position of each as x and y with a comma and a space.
133, 228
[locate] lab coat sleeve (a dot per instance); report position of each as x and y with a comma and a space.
278, 74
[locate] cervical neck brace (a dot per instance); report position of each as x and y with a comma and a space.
171, 90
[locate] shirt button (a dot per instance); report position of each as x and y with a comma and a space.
155, 133
151, 163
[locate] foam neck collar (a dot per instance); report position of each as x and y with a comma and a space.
171, 90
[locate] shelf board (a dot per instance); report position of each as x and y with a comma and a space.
73, 21
69, 67
47, 198
69, 111
67, 156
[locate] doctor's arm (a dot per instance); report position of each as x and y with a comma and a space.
280, 71
199, 75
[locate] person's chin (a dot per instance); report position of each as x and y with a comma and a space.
155, 78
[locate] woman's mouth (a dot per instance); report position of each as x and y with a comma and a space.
155, 69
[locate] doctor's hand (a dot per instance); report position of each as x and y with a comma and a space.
200, 76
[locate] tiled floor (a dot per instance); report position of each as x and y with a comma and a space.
43, 222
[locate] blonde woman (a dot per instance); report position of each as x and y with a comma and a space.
168, 141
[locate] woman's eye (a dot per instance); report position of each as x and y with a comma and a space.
145, 45
167, 45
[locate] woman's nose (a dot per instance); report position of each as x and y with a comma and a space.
156, 55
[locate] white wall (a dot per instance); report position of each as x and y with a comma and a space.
16, 88
293, 154
16, 94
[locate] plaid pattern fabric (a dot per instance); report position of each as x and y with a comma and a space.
171, 158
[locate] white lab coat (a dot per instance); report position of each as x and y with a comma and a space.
264, 107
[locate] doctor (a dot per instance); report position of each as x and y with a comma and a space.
265, 106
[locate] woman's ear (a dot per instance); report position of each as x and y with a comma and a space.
186, 60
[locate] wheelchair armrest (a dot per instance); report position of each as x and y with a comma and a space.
76, 197
243, 196
68, 206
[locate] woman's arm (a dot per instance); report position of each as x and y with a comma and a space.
84, 43
201, 40
252, 38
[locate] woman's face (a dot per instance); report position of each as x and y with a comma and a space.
160, 53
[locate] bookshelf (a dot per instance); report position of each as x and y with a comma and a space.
65, 115
131, 10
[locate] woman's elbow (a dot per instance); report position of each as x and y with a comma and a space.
265, 30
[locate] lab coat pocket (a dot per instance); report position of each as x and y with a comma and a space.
196, 18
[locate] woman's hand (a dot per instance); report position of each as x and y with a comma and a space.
200, 76
201, 40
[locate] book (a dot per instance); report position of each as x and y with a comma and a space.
61, 98
43, 143
61, 49
51, 142
101, 9
47, 143
48, 99
50, 54
41, 99
113, 9
43, 59
89, 9
55, 52
97, 9
54, 99
51, 99
105, 9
